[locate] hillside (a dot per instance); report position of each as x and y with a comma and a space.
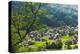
58, 14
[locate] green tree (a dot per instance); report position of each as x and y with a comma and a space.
24, 22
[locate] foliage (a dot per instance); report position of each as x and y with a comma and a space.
41, 27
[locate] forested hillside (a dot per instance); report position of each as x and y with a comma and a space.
43, 26
57, 14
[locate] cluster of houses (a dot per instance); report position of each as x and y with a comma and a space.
54, 33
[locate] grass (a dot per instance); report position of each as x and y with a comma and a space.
66, 38
39, 45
